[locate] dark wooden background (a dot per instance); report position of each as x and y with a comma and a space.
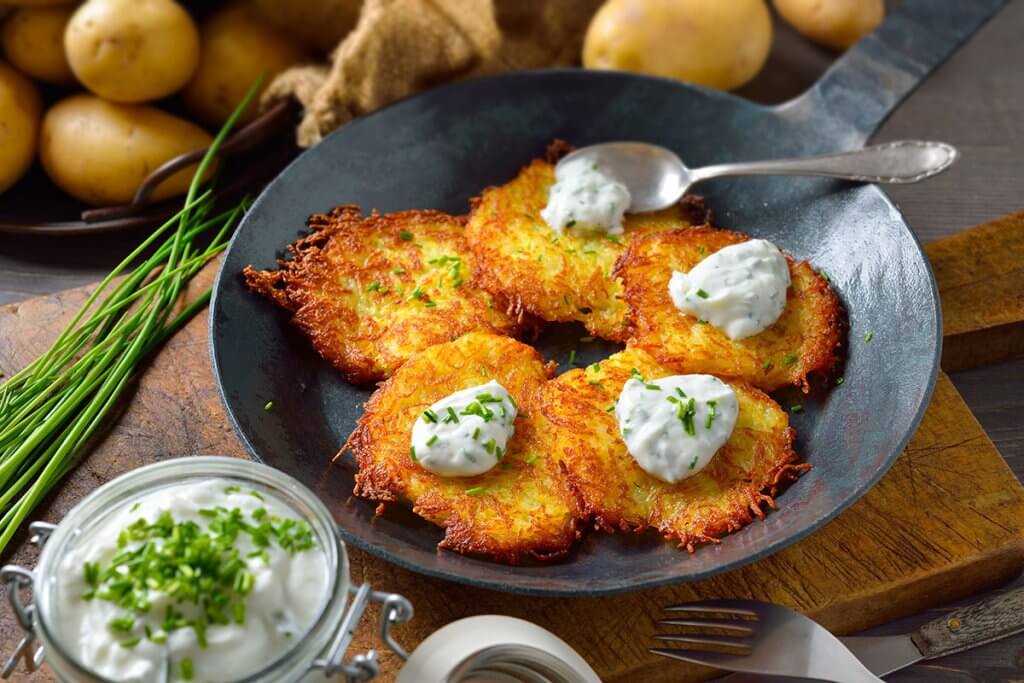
975, 101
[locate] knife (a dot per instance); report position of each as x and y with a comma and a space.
983, 622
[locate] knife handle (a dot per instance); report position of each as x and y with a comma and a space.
983, 622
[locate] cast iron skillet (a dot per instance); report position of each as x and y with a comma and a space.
439, 149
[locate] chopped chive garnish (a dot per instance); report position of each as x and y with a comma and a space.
595, 383
405, 235
452, 417
797, 408
767, 363
702, 322
672, 399
256, 495
412, 453
572, 357
685, 412
232, 489
702, 294
476, 433
791, 358
373, 286
610, 408
682, 394
498, 453
839, 380
652, 387
399, 271
693, 463
613, 239
186, 669
417, 293
429, 416
268, 405
532, 459
594, 367
711, 414
825, 276
432, 440
869, 336
636, 375
430, 303
489, 446
475, 490
571, 223
134, 507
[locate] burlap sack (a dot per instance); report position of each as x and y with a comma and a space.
400, 47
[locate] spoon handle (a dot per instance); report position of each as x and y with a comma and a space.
905, 161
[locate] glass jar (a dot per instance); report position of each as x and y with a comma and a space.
318, 655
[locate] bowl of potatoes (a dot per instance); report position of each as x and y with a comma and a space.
106, 105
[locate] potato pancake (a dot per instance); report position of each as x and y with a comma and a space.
369, 292
556, 277
803, 340
727, 494
523, 508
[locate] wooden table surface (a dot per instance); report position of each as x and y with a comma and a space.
975, 101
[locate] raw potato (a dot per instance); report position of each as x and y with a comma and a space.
237, 46
132, 50
99, 151
33, 39
20, 107
835, 23
722, 43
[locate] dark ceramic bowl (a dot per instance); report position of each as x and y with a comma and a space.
439, 149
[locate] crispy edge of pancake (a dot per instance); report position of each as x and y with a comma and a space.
491, 522
722, 498
806, 339
573, 280
303, 284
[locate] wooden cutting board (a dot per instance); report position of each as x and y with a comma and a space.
947, 520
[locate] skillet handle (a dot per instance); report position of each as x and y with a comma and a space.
863, 86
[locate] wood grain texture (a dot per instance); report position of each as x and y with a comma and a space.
967, 627
981, 281
946, 522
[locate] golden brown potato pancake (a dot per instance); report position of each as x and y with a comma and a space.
726, 495
557, 277
524, 507
369, 292
803, 340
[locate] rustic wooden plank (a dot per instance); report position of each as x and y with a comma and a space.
948, 520
981, 281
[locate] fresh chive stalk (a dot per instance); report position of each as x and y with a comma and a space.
52, 408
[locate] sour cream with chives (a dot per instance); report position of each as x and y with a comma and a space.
465, 433
208, 581
586, 199
740, 289
673, 426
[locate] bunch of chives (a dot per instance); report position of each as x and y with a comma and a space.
51, 408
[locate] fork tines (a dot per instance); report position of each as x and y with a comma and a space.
708, 627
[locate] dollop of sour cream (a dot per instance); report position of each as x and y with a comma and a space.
674, 425
465, 433
586, 199
740, 289
133, 607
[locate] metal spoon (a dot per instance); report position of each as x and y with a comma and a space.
657, 178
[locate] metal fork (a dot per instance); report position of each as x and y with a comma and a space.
759, 638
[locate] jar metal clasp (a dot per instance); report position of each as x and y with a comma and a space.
395, 610
16, 580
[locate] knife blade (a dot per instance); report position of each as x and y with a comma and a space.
880, 654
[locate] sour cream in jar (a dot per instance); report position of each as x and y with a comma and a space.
586, 199
465, 433
673, 426
740, 289
204, 581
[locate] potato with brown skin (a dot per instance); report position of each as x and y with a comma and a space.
521, 509
99, 151
834, 23
33, 40
320, 24
132, 50
371, 292
20, 109
804, 340
734, 488
237, 46
721, 44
